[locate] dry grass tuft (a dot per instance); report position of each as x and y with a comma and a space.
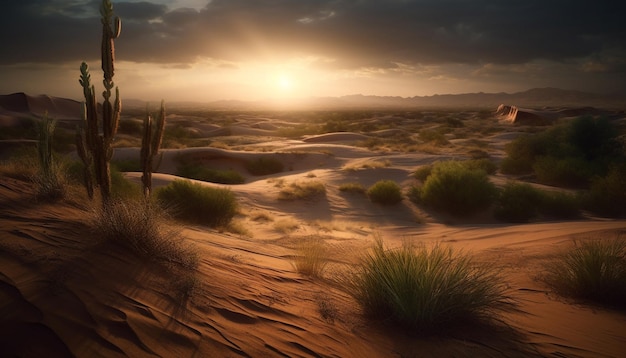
311, 257
302, 190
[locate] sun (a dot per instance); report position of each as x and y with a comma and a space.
284, 82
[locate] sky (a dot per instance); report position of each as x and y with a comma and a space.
281, 50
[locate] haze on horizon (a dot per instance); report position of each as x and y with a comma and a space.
205, 50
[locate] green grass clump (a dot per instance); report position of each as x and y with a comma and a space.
264, 166
141, 226
199, 172
199, 204
426, 289
454, 188
591, 270
352, 187
302, 190
386, 192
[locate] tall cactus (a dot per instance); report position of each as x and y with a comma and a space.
98, 137
150, 144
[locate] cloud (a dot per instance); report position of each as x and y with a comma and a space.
354, 33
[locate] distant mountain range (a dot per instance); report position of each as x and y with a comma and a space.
63, 108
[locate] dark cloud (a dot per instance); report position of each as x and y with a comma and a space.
355, 33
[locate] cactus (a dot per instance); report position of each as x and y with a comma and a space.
150, 144
95, 136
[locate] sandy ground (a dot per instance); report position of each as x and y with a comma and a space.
64, 293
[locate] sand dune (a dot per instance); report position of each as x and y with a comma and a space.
73, 295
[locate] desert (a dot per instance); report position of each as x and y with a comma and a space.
68, 293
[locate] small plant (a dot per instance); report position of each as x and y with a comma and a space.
264, 166
607, 195
592, 270
199, 172
422, 173
386, 192
559, 205
352, 187
49, 180
517, 202
286, 226
302, 190
140, 226
195, 203
310, 259
456, 189
425, 289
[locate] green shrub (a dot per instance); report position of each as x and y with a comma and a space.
426, 290
415, 194
607, 195
484, 164
422, 173
456, 189
352, 187
199, 172
386, 192
141, 227
264, 166
128, 165
517, 202
559, 205
592, 270
199, 204
569, 172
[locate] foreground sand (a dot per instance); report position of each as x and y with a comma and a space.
64, 293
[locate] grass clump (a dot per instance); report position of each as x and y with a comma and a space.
141, 227
352, 187
199, 172
199, 204
302, 190
592, 270
386, 192
264, 166
426, 289
456, 189
310, 259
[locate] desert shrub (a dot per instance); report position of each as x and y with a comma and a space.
422, 173
127, 165
199, 204
123, 188
559, 205
386, 192
484, 164
141, 226
352, 187
426, 289
607, 195
569, 172
310, 259
264, 166
592, 270
302, 190
517, 202
414, 193
199, 172
456, 189
433, 136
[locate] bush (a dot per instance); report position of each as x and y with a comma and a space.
517, 202
484, 164
199, 172
426, 290
455, 189
422, 173
386, 192
199, 204
568, 172
607, 195
352, 187
559, 205
264, 166
593, 270
140, 226
302, 190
